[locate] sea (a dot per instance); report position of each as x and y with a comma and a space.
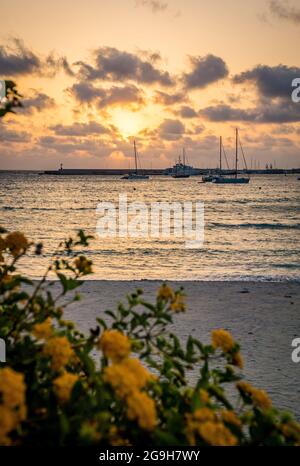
251, 231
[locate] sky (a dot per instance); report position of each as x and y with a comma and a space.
169, 73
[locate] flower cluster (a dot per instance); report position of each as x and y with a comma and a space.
115, 345
83, 265
258, 397
176, 300
210, 428
223, 340
127, 377
12, 402
44, 330
63, 386
59, 349
15, 242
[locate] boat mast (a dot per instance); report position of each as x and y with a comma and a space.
220, 154
236, 151
184, 160
135, 157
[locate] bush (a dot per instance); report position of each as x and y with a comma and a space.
126, 382
12, 99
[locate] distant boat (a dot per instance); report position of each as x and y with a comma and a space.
210, 178
136, 175
236, 179
180, 169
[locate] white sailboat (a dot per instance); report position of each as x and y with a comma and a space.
211, 177
236, 179
136, 175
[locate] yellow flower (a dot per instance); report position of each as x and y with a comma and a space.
60, 351
83, 265
7, 424
259, 397
204, 414
230, 417
141, 407
63, 386
291, 430
205, 423
190, 429
222, 339
121, 381
12, 408
178, 303
204, 396
245, 387
44, 330
165, 293
16, 242
141, 374
215, 433
115, 345
237, 360
12, 391
127, 376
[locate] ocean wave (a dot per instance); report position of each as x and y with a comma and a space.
258, 226
47, 209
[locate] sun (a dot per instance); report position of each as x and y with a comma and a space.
128, 123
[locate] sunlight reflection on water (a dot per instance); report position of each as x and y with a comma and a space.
251, 231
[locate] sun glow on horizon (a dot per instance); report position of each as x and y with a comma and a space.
129, 123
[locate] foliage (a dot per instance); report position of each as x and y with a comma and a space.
12, 100
127, 381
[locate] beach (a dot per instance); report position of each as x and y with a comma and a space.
262, 316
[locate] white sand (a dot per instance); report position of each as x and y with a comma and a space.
265, 319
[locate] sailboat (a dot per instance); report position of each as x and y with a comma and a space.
236, 179
211, 177
136, 175
181, 173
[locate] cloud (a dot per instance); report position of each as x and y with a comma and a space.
283, 10
111, 64
18, 60
264, 113
13, 136
69, 146
38, 101
80, 129
163, 98
156, 6
171, 130
85, 93
204, 71
54, 63
115, 96
271, 81
123, 96
187, 112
